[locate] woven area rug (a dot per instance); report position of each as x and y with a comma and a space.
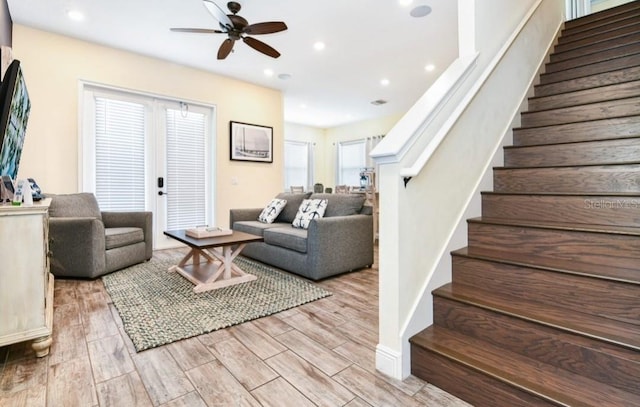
159, 307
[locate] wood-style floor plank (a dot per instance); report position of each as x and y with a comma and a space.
218, 387
125, 390
300, 354
309, 380
279, 393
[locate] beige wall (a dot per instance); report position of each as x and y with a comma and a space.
326, 140
54, 65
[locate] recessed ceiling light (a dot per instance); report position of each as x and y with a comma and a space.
385, 82
284, 76
405, 3
319, 46
75, 15
268, 72
430, 67
420, 11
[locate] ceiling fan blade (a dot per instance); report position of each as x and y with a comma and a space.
261, 47
197, 30
265, 28
218, 14
225, 48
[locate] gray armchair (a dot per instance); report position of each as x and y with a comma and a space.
85, 242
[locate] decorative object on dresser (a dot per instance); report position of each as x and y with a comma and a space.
26, 285
86, 242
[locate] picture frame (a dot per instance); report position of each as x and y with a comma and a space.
250, 142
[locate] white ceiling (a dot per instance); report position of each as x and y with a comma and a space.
366, 41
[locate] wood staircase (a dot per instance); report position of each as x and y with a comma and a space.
544, 304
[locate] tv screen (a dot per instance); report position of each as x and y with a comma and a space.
14, 114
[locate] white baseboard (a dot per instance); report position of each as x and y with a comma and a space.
389, 362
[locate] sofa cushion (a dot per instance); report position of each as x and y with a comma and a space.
288, 214
341, 204
255, 227
120, 237
272, 210
80, 205
288, 237
309, 210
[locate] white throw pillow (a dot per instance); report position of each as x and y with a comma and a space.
308, 210
271, 211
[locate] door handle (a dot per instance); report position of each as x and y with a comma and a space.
160, 182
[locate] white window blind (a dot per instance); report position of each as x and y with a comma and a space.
296, 164
186, 169
120, 155
351, 160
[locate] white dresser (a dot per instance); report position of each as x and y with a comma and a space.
26, 285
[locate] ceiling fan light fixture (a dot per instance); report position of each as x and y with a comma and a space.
420, 11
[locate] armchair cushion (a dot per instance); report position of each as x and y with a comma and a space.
119, 237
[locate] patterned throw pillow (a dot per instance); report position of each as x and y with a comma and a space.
308, 210
271, 211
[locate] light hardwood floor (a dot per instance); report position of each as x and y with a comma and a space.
318, 354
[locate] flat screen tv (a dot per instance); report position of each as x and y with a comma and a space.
14, 114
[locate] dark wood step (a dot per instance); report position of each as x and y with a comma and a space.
537, 284
592, 111
596, 328
614, 179
596, 52
609, 364
585, 96
555, 386
594, 57
557, 265
613, 64
612, 210
588, 82
610, 36
603, 17
618, 151
605, 246
621, 20
605, 129
456, 374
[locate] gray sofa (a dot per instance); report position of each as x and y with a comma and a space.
341, 241
85, 242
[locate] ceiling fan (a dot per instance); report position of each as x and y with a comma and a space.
237, 28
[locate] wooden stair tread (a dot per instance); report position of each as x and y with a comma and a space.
590, 270
592, 326
585, 96
593, 228
548, 382
587, 82
586, 195
600, 67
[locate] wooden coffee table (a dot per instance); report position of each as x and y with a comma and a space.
211, 258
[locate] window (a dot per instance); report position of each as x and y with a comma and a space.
119, 155
351, 160
298, 159
186, 169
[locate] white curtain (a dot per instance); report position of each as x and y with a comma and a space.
577, 8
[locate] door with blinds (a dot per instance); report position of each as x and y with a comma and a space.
146, 153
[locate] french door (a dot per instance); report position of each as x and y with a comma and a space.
146, 153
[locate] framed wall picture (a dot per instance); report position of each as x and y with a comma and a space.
251, 142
